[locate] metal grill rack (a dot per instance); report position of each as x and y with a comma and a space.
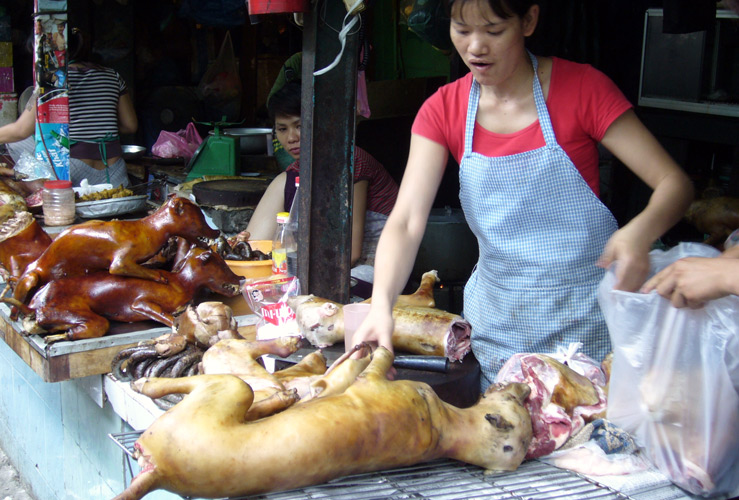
452, 480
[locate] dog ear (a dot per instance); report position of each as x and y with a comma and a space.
178, 205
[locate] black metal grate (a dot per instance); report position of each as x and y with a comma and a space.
452, 480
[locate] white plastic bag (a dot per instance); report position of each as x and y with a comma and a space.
671, 381
32, 168
268, 297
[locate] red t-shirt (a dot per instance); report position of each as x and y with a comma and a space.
582, 104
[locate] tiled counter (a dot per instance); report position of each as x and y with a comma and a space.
56, 434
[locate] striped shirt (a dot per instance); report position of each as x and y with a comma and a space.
94, 92
382, 190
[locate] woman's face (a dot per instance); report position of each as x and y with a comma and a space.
287, 131
489, 45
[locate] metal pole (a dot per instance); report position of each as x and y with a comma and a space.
51, 37
326, 158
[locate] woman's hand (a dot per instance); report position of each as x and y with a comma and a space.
693, 281
632, 255
376, 330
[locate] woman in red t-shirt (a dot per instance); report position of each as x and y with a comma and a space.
525, 131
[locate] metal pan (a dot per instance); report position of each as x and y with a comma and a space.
230, 192
132, 152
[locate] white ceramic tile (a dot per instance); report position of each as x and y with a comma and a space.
53, 433
135, 409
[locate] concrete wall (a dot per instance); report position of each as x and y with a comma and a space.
56, 435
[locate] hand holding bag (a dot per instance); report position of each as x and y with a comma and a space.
674, 379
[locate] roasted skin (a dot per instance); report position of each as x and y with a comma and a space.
117, 246
418, 330
203, 448
240, 357
82, 305
207, 323
423, 296
10, 202
22, 240
717, 217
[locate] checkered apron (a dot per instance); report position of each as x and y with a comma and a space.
540, 230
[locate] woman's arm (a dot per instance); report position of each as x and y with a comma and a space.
630, 141
128, 123
359, 212
263, 221
22, 127
404, 229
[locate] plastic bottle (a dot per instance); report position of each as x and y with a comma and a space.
279, 250
58, 203
291, 236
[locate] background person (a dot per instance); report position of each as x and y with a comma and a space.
100, 109
22, 127
374, 191
525, 131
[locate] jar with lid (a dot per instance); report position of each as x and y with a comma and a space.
58, 203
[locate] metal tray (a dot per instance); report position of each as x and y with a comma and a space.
110, 207
446, 479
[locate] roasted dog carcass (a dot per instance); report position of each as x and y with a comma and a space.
717, 217
419, 327
561, 400
117, 246
11, 202
204, 448
22, 240
82, 305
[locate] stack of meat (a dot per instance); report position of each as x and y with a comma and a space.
561, 400
16, 193
114, 268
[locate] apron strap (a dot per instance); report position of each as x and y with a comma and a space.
469, 126
545, 123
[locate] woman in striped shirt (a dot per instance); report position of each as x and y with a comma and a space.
100, 108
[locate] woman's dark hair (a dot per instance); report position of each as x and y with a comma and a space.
502, 8
78, 45
285, 101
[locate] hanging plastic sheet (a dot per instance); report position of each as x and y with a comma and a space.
52, 106
220, 86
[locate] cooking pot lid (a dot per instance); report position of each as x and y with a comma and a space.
230, 192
